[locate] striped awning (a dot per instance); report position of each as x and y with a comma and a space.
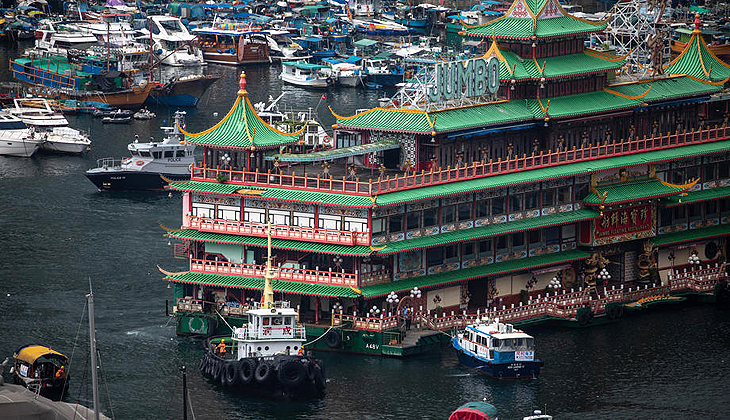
361, 149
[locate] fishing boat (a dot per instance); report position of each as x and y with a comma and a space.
149, 162
172, 44
497, 349
233, 46
15, 138
306, 74
266, 355
41, 369
345, 73
184, 91
383, 71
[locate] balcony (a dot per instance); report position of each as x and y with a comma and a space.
334, 278
337, 237
476, 170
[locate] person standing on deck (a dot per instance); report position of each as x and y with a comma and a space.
409, 318
222, 348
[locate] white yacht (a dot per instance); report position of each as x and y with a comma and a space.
306, 74
171, 42
292, 121
151, 165
50, 126
59, 37
15, 138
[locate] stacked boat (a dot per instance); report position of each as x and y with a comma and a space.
49, 126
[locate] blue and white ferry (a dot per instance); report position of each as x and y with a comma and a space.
498, 350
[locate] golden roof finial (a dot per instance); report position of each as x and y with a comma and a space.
242, 84
698, 24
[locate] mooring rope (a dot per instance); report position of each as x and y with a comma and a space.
316, 339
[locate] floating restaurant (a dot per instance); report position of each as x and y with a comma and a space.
562, 196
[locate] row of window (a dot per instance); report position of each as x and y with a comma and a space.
492, 207
707, 172
160, 154
693, 212
504, 244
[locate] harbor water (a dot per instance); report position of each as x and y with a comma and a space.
59, 234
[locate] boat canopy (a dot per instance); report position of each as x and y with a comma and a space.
342, 152
304, 66
475, 411
365, 42
30, 354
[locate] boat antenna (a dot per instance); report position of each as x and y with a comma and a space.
269, 275
92, 342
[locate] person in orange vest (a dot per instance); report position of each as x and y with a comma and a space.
61, 372
301, 351
222, 348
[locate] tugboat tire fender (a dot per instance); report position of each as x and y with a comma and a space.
333, 339
291, 373
246, 369
264, 373
231, 376
311, 369
217, 370
319, 381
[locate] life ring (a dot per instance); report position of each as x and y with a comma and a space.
291, 373
246, 369
327, 140
231, 376
193, 329
264, 373
333, 339
140, 162
231, 51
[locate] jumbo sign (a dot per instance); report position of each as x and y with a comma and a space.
465, 78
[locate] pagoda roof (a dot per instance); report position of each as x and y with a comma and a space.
698, 62
613, 98
626, 192
242, 128
512, 66
534, 19
696, 196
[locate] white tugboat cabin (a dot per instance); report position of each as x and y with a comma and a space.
271, 330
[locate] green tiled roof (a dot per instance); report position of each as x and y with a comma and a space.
630, 191
663, 89
698, 61
583, 104
191, 234
360, 149
488, 231
388, 120
280, 286
691, 235
243, 128
473, 273
557, 171
284, 194
524, 28
696, 196
553, 67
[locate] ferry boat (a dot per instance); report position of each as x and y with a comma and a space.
498, 350
151, 165
15, 137
41, 369
233, 46
266, 355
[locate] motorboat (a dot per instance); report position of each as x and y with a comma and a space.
144, 114
306, 74
16, 139
265, 356
149, 163
50, 126
116, 120
383, 72
119, 113
172, 44
60, 37
41, 369
497, 349
345, 73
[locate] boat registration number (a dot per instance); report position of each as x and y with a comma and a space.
372, 346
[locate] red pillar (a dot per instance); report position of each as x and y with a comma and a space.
316, 312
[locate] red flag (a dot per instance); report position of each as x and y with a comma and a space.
324, 97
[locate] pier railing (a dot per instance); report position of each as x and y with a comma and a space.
330, 277
296, 233
475, 170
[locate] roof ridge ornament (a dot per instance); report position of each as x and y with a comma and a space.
698, 24
242, 84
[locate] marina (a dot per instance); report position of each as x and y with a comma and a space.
429, 227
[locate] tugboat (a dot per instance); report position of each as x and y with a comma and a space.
151, 166
266, 356
498, 350
41, 369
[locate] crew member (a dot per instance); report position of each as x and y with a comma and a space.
61, 372
222, 347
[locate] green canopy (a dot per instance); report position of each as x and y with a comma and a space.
365, 42
698, 9
360, 149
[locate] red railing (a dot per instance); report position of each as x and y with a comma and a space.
367, 323
296, 233
475, 170
281, 273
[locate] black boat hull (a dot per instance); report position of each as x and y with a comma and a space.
272, 376
131, 180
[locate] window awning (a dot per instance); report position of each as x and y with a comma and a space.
360, 149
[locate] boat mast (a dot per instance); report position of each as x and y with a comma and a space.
94, 364
269, 276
